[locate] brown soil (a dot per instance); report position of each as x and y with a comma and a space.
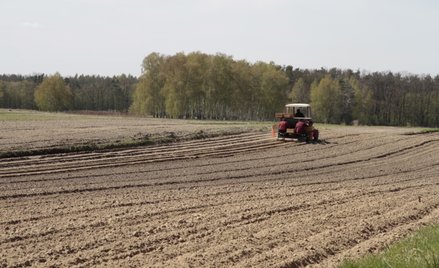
241, 200
61, 130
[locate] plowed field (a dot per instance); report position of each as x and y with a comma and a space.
242, 200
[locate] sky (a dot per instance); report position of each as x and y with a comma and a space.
112, 37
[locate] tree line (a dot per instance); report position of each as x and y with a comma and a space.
378, 98
202, 86
55, 93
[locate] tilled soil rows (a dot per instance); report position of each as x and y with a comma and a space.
243, 200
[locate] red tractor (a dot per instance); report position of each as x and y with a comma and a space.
296, 124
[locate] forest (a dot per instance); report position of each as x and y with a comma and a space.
203, 86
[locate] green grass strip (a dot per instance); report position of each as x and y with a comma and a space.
430, 130
420, 250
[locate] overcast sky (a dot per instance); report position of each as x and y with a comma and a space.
110, 37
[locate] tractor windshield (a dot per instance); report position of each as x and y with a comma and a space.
299, 110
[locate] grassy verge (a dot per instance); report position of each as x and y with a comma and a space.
419, 250
423, 131
429, 130
33, 115
24, 115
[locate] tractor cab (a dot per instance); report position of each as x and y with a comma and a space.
298, 110
295, 113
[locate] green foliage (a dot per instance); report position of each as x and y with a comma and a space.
362, 108
273, 87
102, 93
176, 85
300, 93
244, 102
327, 99
418, 251
17, 94
221, 88
2, 94
53, 94
148, 96
203, 86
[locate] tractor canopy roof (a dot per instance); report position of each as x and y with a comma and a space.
298, 105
